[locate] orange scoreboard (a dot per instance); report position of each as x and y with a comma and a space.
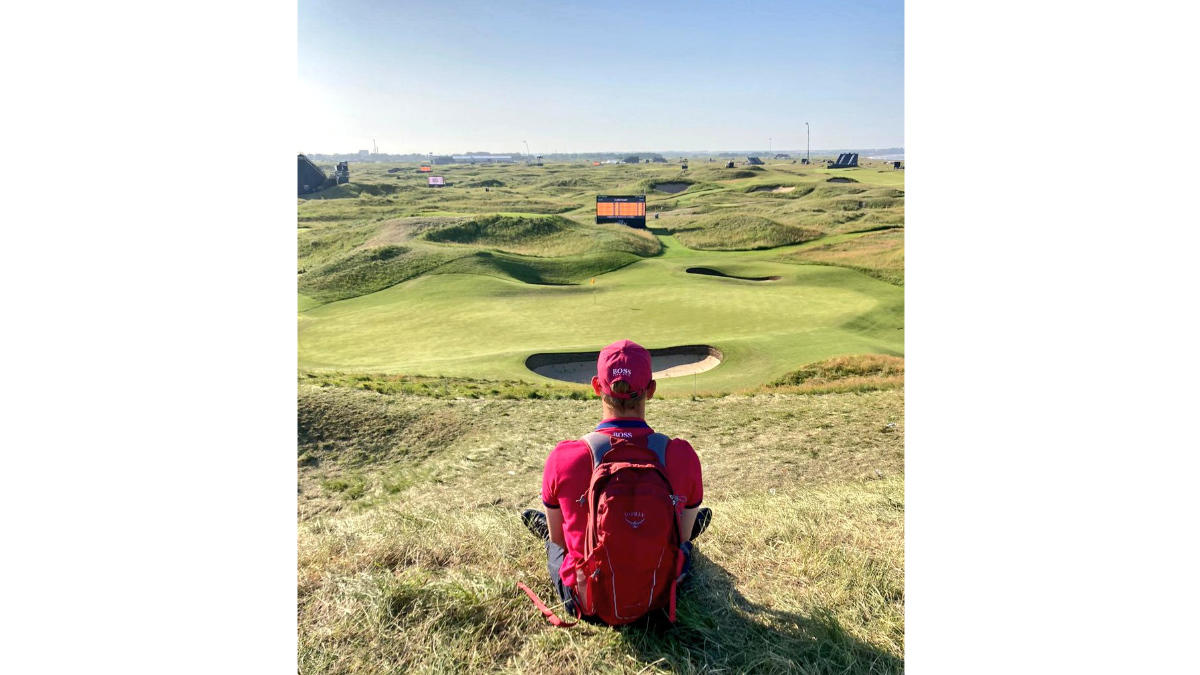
624, 209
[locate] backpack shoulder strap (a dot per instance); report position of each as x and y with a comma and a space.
658, 445
598, 443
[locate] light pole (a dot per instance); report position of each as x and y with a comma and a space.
807, 144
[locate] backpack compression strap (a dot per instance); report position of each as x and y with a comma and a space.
546, 612
600, 443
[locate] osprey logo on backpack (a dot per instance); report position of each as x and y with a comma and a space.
635, 518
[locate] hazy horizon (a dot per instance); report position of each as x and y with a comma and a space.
471, 76
669, 154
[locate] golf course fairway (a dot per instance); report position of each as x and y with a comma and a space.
471, 325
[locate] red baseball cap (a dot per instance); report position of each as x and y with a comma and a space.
624, 360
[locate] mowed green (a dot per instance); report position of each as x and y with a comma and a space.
484, 326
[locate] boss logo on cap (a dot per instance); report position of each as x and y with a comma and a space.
635, 518
621, 371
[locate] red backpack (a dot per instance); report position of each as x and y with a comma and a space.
631, 559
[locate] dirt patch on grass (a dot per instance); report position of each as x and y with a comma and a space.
718, 273
667, 362
672, 188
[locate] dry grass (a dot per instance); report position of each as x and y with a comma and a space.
879, 254
411, 565
857, 372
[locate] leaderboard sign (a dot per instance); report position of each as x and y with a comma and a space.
625, 209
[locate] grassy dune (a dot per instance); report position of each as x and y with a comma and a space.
739, 232
879, 254
410, 546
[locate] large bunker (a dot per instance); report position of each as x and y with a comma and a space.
579, 367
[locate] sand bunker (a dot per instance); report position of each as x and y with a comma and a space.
579, 367
718, 273
776, 188
841, 179
672, 188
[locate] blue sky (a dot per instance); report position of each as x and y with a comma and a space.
456, 76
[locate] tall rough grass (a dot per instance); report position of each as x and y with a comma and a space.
738, 232
408, 555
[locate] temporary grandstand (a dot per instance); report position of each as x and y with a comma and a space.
310, 177
845, 160
753, 161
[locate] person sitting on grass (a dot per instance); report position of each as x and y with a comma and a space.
622, 503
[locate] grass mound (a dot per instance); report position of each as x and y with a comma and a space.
369, 270
741, 232
488, 183
446, 387
347, 190
738, 173
878, 253
578, 183
499, 230
550, 236
349, 428
863, 372
536, 270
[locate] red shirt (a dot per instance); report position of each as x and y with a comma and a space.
569, 470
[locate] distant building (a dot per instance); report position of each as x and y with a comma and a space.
753, 161
483, 159
783, 155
